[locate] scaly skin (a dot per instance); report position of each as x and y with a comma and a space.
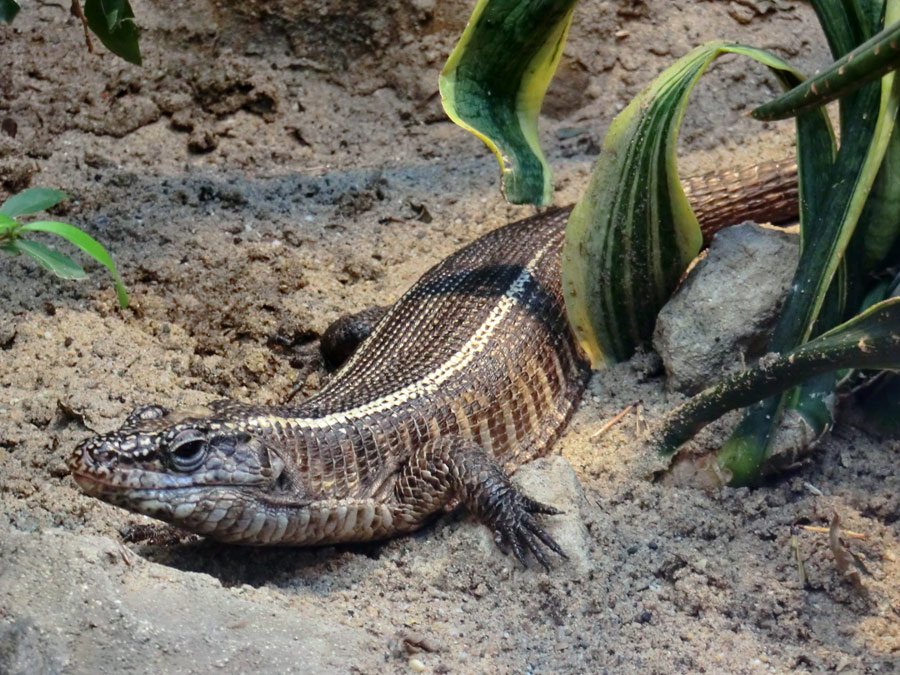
470, 374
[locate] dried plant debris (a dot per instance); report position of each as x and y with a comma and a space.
798, 558
414, 642
846, 562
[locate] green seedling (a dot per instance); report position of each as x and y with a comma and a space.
14, 241
112, 21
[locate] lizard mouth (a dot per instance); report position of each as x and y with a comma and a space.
95, 485
92, 484
87, 481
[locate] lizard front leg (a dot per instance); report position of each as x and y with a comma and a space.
451, 467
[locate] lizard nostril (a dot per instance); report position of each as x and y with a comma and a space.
98, 453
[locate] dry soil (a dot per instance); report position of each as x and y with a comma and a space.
276, 165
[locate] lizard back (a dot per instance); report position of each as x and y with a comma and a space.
478, 348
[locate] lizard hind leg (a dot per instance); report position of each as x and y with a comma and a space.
451, 467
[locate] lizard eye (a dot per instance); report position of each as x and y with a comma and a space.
188, 450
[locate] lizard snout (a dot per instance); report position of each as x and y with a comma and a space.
94, 453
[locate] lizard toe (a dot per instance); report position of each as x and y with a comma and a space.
516, 529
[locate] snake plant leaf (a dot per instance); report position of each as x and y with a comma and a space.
31, 200
868, 62
879, 225
846, 25
633, 234
87, 244
8, 10
867, 121
113, 22
58, 263
877, 401
870, 340
494, 82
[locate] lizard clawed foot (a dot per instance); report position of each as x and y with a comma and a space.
515, 527
449, 468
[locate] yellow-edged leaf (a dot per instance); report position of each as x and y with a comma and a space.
494, 82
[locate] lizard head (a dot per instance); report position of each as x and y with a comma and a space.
197, 469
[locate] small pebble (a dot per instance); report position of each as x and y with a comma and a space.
417, 665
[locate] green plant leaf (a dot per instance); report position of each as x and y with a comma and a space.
31, 200
8, 10
58, 263
868, 62
847, 24
87, 244
870, 340
867, 119
494, 82
879, 224
113, 22
7, 223
633, 234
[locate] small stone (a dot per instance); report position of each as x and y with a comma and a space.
552, 480
9, 127
727, 306
183, 120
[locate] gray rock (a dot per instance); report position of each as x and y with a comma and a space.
553, 481
725, 310
80, 604
23, 650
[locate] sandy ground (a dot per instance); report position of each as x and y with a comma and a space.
275, 165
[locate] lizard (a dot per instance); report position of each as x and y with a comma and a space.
471, 373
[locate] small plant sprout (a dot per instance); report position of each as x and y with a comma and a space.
112, 21
13, 237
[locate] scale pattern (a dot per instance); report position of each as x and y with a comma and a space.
478, 348
471, 373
